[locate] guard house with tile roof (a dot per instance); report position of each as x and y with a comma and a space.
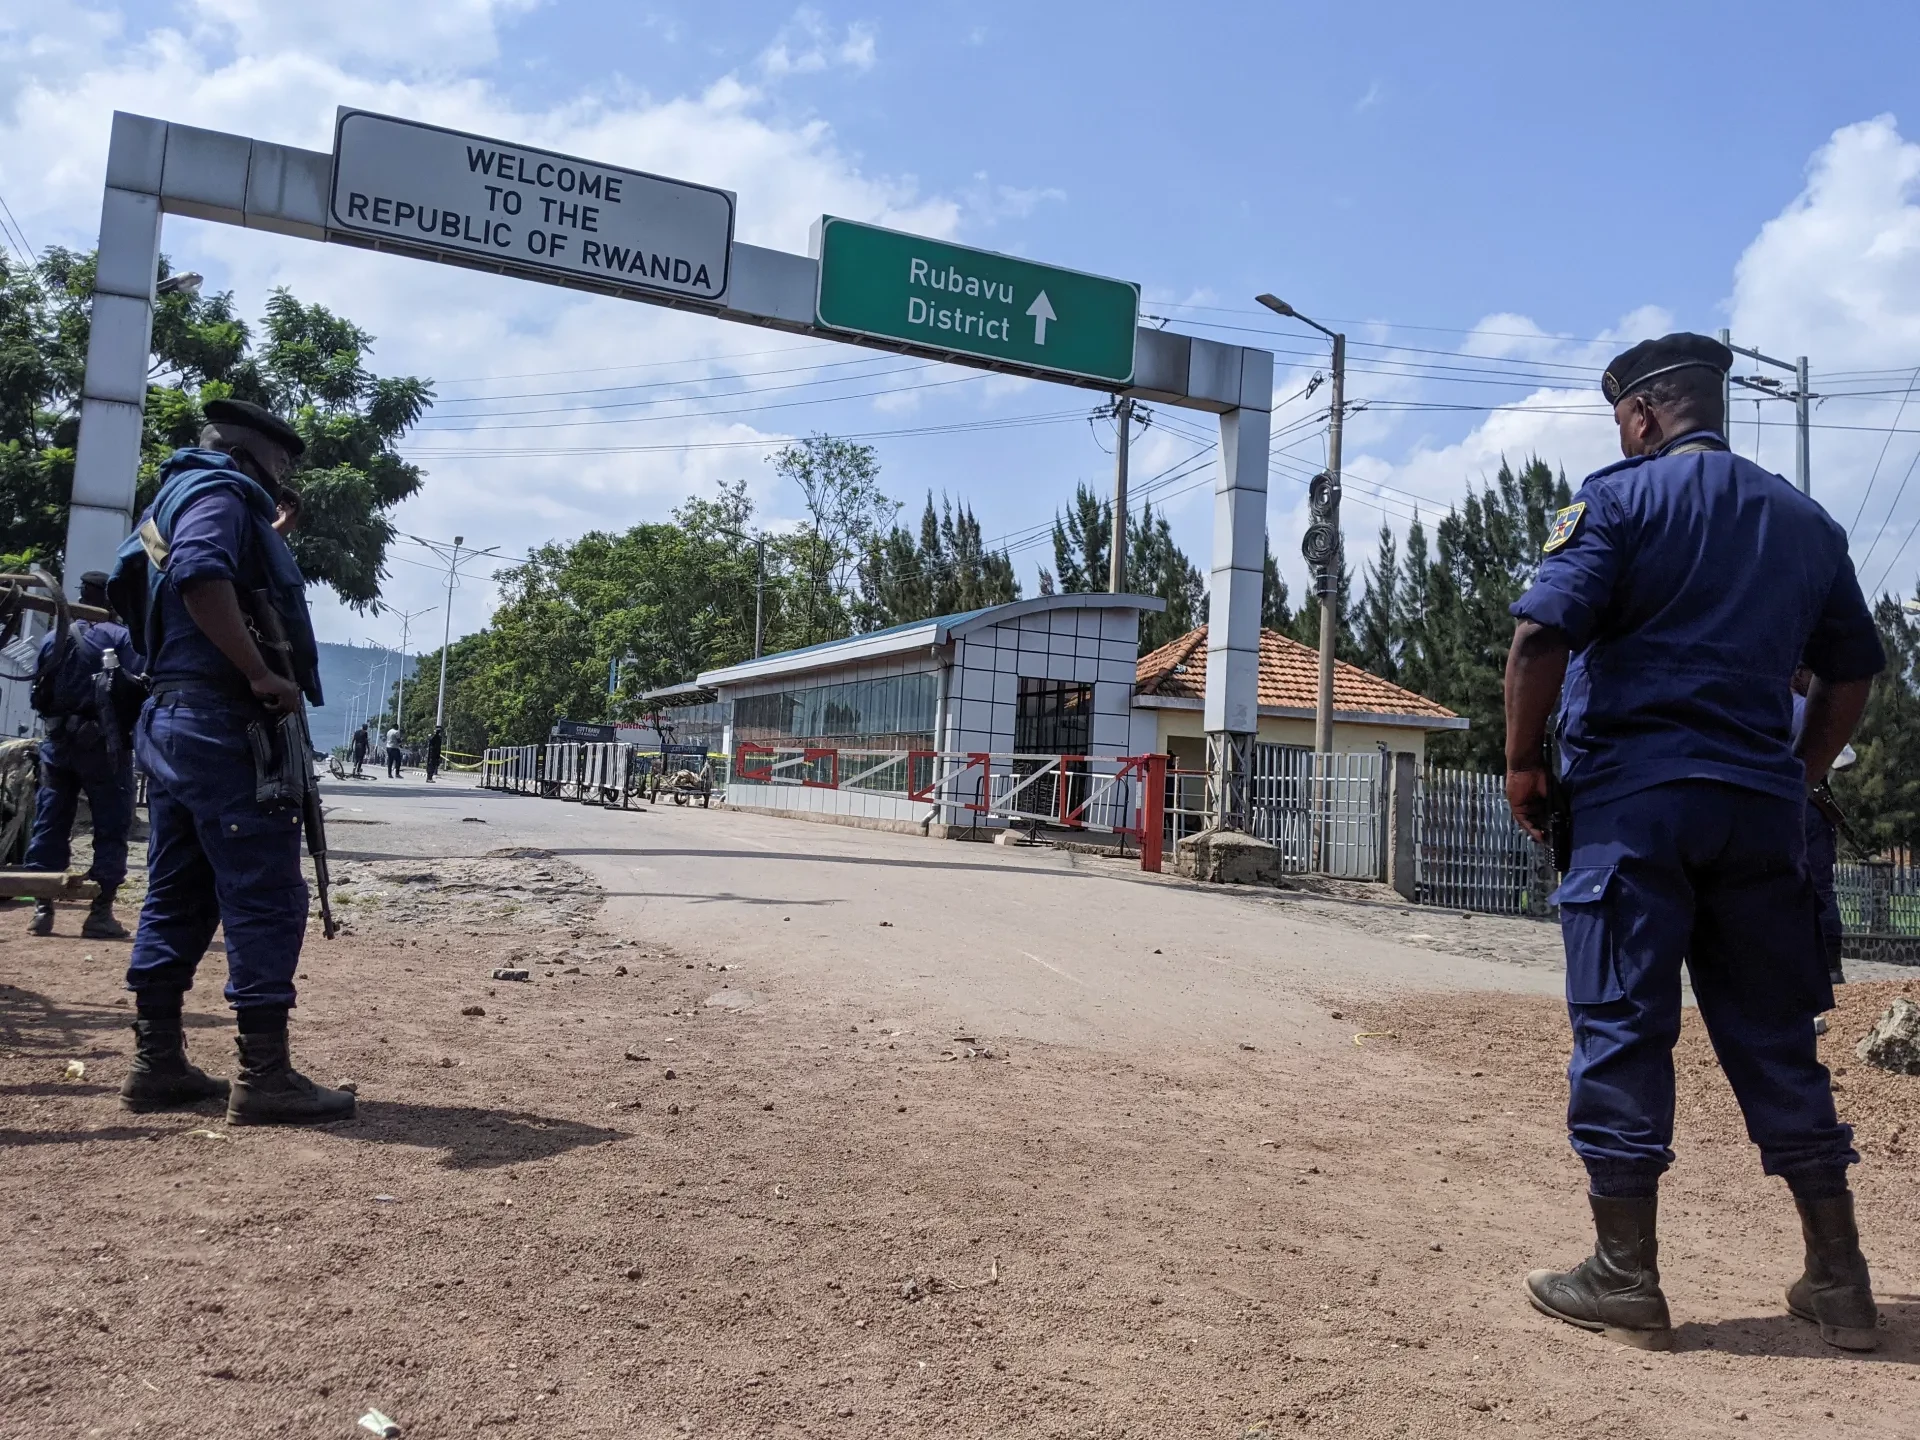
1368, 713
1051, 675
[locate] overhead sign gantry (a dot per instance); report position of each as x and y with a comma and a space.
443, 195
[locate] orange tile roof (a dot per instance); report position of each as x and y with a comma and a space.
1289, 678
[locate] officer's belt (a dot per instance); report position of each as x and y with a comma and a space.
200, 692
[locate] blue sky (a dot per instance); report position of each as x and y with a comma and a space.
1490, 198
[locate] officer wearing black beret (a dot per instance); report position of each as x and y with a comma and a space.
187, 580
1679, 591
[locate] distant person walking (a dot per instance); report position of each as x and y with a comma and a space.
360, 743
435, 743
393, 753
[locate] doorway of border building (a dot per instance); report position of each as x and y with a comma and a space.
1052, 718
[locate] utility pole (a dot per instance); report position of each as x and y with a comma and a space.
759, 590
1117, 561
1772, 388
451, 554
1322, 544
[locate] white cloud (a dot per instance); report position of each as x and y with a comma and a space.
1834, 276
807, 45
252, 67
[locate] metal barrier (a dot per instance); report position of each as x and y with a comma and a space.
1470, 853
512, 768
1325, 813
1109, 794
1879, 910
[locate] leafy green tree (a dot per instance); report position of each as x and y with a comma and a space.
310, 367
840, 483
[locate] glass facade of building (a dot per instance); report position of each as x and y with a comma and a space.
889, 712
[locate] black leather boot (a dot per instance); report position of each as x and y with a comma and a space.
1835, 1293
100, 923
161, 1077
1616, 1290
42, 922
269, 1091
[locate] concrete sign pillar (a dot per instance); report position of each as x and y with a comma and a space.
114, 391
1234, 592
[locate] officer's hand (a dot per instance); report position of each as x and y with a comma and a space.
1527, 798
280, 696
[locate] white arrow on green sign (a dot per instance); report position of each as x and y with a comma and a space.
893, 286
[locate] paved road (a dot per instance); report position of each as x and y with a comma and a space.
1030, 944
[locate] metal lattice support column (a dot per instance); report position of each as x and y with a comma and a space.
1229, 780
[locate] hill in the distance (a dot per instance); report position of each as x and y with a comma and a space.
344, 669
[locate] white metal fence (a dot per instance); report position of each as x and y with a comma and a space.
1325, 813
1469, 852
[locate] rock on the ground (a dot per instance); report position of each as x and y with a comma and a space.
1894, 1042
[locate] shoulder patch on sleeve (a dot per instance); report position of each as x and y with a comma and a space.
1565, 522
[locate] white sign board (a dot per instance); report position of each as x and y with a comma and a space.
420, 187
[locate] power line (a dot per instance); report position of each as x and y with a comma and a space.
25, 244
703, 414
666, 384
1883, 455
1013, 422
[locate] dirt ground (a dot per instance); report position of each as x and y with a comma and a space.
636, 1198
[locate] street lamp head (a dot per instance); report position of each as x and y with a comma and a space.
187, 282
1275, 304
459, 539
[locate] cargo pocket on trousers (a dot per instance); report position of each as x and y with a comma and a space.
1586, 927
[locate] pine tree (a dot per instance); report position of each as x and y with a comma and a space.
1376, 632
1157, 566
1082, 541
1274, 612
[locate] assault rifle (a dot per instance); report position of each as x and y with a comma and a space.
283, 752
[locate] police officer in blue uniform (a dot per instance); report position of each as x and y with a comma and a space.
82, 698
186, 580
1679, 591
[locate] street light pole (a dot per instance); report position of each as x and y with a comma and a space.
446, 636
1328, 580
452, 557
407, 617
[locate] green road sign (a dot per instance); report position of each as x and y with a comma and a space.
894, 286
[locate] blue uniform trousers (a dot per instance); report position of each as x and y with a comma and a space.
66, 770
1714, 875
214, 858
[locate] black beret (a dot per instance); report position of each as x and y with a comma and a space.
1683, 350
256, 417
95, 579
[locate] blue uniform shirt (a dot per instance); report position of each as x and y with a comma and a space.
212, 539
1690, 586
110, 635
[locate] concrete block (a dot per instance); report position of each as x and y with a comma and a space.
1227, 857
